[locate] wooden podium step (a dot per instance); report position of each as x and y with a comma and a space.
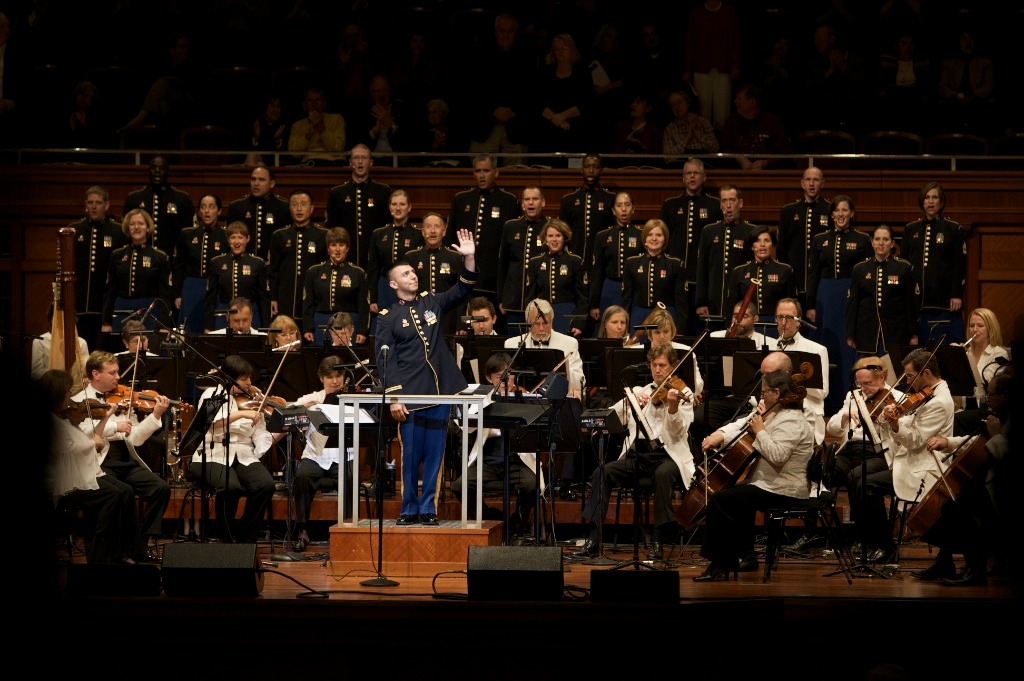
413, 550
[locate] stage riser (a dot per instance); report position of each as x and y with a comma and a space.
415, 550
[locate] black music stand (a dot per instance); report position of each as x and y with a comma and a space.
594, 354
619, 362
194, 438
636, 563
505, 416
954, 366
289, 480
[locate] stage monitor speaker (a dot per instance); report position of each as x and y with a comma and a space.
515, 573
191, 569
635, 586
113, 579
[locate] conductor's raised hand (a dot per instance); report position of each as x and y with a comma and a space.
466, 245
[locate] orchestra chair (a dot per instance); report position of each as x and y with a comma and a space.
644, 490
899, 511
814, 142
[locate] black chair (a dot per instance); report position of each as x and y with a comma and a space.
884, 143
824, 506
815, 142
645, 490
207, 138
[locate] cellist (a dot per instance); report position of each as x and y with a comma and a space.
778, 478
968, 522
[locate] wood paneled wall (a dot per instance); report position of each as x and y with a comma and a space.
37, 200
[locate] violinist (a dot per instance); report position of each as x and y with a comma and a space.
849, 424
785, 442
232, 469
318, 467
73, 476
666, 333
925, 412
669, 420
122, 435
969, 523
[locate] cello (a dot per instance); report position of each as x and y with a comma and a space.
964, 464
733, 461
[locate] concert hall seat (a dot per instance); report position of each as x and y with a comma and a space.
891, 143
207, 138
814, 142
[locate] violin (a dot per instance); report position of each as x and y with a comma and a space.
143, 401
661, 394
263, 403
76, 412
911, 403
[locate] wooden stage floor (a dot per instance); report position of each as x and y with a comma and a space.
803, 624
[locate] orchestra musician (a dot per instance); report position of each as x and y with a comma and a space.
122, 435
539, 315
614, 324
522, 472
969, 523
341, 329
289, 333
986, 352
73, 477
858, 447
321, 456
785, 442
231, 463
672, 464
914, 468
788, 319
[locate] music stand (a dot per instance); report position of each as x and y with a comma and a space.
164, 371
112, 341
194, 438
594, 354
619, 360
505, 416
956, 368
214, 347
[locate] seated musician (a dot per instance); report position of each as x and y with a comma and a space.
857, 447
778, 478
231, 465
341, 329
287, 337
136, 344
119, 458
41, 348
522, 473
480, 307
669, 420
969, 523
539, 314
318, 467
239, 319
914, 468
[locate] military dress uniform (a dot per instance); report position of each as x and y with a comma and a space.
262, 216
190, 264
389, 245
331, 288
777, 282
232, 276
437, 270
293, 250
359, 207
171, 209
422, 364
560, 279
723, 246
95, 242
937, 250
612, 247
799, 222
882, 305
521, 239
686, 217
484, 212
587, 211
647, 281
137, 276
833, 255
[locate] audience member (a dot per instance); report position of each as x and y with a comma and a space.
319, 131
654, 66
608, 68
835, 93
88, 126
635, 134
712, 60
388, 125
171, 102
440, 137
751, 131
269, 131
903, 85
967, 88
565, 96
688, 131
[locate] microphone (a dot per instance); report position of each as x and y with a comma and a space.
807, 323
149, 311
475, 318
384, 351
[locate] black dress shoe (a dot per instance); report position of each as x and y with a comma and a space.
407, 520
802, 544
880, 555
656, 552
940, 569
715, 572
969, 577
301, 543
429, 519
749, 565
588, 550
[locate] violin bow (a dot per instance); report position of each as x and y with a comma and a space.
284, 356
553, 370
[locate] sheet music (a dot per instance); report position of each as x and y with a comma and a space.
331, 412
727, 370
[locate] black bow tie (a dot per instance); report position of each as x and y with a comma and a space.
783, 343
540, 343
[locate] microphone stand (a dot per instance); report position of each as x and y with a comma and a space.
505, 497
380, 580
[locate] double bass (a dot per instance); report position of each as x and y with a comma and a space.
964, 463
733, 461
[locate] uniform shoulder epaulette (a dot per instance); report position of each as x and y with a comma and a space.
424, 294
785, 264
384, 311
898, 259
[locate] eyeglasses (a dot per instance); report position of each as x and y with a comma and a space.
785, 317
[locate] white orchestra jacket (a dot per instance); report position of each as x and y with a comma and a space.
529, 458
914, 468
672, 429
815, 399
558, 341
835, 428
141, 430
247, 441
